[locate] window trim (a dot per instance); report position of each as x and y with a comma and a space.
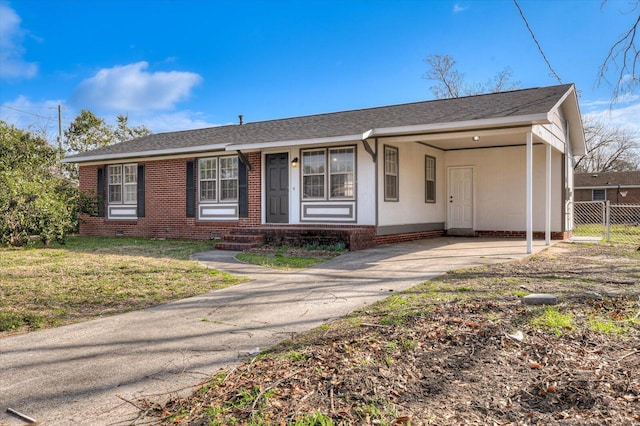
218, 180
395, 150
593, 195
427, 180
122, 184
327, 174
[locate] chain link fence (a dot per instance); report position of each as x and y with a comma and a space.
603, 221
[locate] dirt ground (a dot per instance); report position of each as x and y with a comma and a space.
458, 350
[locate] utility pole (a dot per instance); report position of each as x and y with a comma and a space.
60, 137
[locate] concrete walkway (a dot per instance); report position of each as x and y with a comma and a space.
76, 374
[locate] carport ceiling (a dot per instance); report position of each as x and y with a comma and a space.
488, 138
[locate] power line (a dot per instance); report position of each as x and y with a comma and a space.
27, 112
553, 72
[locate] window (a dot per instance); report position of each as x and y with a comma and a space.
340, 179
208, 178
218, 179
390, 173
313, 171
341, 172
430, 179
229, 179
123, 183
599, 195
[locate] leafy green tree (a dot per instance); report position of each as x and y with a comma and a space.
87, 132
123, 132
35, 198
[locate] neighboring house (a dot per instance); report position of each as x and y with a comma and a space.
615, 187
488, 165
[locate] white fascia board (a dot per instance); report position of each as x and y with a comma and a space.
463, 125
548, 137
152, 153
393, 131
276, 144
576, 130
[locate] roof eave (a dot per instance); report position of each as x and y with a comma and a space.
541, 118
149, 153
572, 111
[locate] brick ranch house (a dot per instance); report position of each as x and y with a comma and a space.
615, 187
489, 165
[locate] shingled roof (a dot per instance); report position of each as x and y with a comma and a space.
602, 179
512, 104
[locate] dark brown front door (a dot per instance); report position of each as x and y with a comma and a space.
277, 188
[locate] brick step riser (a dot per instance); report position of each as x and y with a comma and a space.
235, 246
238, 238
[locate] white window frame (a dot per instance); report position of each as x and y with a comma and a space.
349, 173
128, 179
391, 169
217, 178
222, 178
602, 191
429, 178
328, 172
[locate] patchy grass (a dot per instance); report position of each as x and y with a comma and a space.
289, 258
441, 353
92, 277
554, 320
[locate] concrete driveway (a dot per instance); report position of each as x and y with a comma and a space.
83, 373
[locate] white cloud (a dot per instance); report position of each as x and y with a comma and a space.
625, 114
458, 8
172, 122
11, 49
132, 88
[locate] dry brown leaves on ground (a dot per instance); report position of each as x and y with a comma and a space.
448, 352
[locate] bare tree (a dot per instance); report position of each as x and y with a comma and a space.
450, 83
623, 57
609, 148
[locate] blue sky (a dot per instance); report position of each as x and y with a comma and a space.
175, 65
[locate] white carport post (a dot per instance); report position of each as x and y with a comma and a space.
529, 192
547, 196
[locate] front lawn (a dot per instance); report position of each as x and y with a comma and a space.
461, 349
92, 277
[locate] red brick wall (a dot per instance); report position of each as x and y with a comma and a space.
632, 196
255, 192
165, 206
412, 236
521, 235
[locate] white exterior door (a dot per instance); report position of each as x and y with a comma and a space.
460, 210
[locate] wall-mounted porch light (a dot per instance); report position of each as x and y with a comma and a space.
475, 138
295, 162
